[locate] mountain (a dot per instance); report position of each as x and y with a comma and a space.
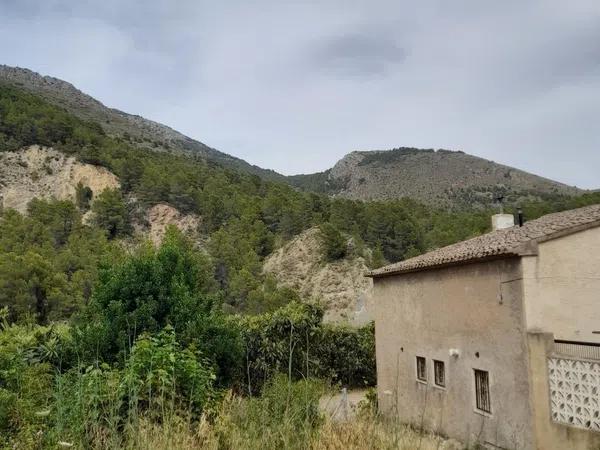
85, 187
435, 177
439, 178
140, 132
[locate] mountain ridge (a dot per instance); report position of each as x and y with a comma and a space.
138, 130
441, 178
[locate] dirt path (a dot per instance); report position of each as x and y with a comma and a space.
340, 406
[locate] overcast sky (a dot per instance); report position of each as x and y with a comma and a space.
295, 85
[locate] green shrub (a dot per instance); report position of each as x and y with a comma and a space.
153, 288
162, 372
111, 213
334, 244
294, 341
25, 384
160, 380
346, 355
83, 196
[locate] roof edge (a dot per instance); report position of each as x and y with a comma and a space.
568, 231
529, 248
374, 274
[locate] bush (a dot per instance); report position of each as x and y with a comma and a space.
293, 341
277, 342
162, 373
334, 244
111, 214
83, 196
346, 355
153, 288
25, 383
160, 380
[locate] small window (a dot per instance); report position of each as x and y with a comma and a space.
482, 391
440, 373
421, 369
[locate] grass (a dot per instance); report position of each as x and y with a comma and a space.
86, 413
364, 432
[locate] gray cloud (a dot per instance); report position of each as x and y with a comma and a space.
294, 86
357, 54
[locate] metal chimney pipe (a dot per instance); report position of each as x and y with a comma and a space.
520, 217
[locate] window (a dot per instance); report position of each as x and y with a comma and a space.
439, 372
421, 369
482, 391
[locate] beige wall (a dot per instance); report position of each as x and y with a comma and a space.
472, 308
562, 287
551, 435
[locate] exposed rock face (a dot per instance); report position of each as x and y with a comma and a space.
45, 173
440, 178
341, 286
162, 215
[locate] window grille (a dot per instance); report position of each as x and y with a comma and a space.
421, 368
440, 373
482, 391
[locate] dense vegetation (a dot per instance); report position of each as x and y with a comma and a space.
245, 216
152, 337
49, 261
103, 335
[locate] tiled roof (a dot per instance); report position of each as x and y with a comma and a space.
507, 242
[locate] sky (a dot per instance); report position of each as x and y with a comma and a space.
295, 85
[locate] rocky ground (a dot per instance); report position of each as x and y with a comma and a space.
46, 173
161, 215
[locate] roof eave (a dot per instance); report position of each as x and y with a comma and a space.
374, 274
529, 248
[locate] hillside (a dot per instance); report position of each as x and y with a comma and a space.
138, 131
440, 178
240, 218
44, 173
340, 286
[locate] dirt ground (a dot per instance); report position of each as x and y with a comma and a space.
340, 406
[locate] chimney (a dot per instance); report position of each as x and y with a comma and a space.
502, 221
520, 217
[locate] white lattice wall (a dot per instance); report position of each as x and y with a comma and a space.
575, 392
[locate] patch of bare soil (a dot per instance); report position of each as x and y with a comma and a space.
340, 286
43, 172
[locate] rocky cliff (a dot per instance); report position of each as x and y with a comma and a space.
45, 173
340, 286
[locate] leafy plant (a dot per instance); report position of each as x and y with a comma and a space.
334, 244
111, 214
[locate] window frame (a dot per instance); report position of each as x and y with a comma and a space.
421, 377
436, 364
480, 395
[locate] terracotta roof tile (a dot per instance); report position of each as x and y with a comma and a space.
506, 242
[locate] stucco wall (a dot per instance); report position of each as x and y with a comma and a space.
562, 287
475, 308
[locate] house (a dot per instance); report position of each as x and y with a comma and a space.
496, 339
